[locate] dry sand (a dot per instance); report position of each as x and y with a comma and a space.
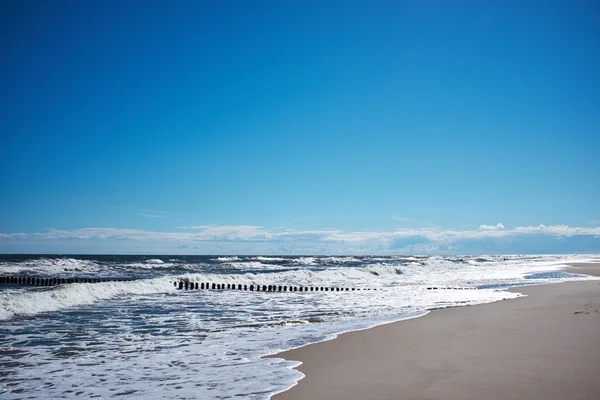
544, 346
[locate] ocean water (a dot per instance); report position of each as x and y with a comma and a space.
145, 339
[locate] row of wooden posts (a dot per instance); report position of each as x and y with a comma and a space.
33, 281
185, 285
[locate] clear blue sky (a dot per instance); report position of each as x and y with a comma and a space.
248, 119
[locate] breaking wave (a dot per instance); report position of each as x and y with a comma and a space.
49, 266
35, 301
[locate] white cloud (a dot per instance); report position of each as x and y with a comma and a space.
491, 227
13, 236
558, 230
225, 233
210, 238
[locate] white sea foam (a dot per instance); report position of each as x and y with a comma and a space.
375, 276
261, 258
341, 260
307, 260
49, 266
31, 302
250, 265
147, 265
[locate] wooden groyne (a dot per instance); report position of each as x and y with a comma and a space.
188, 285
52, 281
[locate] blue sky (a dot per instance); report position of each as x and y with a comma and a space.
299, 127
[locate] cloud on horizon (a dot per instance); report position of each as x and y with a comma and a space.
492, 227
238, 239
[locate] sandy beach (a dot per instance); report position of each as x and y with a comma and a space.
543, 346
592, 269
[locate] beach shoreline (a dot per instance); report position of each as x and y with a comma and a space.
543, 345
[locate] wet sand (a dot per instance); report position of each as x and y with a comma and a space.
584, 268
543, 346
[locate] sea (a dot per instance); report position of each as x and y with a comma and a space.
144, 338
